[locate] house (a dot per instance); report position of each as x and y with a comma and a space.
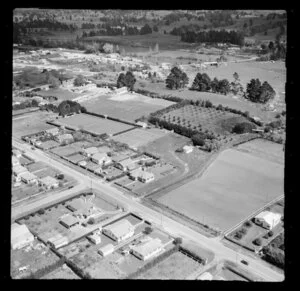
69, 221
119, 231
49, 182
142, 176
58, 241
89, 151
28, 178
187, 149
206, 276
15, 161
101, 159
53, 131
134, 166
95, 238
67, 137
119, 158
148, 249
82, 163
267, 219
123, 165
106, 250
17, 170
83, 209
20, 236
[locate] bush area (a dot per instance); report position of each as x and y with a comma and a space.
26, 104
274, 251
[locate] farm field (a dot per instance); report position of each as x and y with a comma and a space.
212, 198
177, 266
95, 125
128, 106
139, 137
31, 123
216, 99
63, 272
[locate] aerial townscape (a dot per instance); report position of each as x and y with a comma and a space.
148, 144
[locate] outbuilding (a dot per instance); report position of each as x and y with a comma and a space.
120, 230
106, 250
187, 149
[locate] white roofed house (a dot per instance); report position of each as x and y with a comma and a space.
123, 165
148, 249
101, 159
20, 236
28, 178
267, 219
67, 137
89, 151
49, 182
53, 131
119, 231
142, 176
106, 250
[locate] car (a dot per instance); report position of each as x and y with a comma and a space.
244, 262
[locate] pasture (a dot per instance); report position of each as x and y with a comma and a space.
92, 124
139, 137
129, 106
234, 178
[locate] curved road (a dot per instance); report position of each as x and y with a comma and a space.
255, 265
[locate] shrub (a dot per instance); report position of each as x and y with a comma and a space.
270, 233
257, 242
248, 224
243, 127
238, 235
41, 211
148, 230
178, 241
91, 220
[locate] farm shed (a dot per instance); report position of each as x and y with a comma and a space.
120, 230
20, 236
148, 249
106, 250
49, 182
58, 241
267, 219
69, 221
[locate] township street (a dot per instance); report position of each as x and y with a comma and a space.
175, 228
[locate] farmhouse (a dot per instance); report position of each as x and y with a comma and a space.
69, 221
123, 165
89, 151
53, 131
28, 177
67, 137
267, 219
49, 182
106, 250
17, 170
187, 149
101, 159
142, 176
20, 236
15, 161
120, 230
148, 249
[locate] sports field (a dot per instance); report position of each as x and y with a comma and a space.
93, 124
139, 137
128, 106
234, 185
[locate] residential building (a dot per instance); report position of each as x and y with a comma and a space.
101, 159
89, 151
49, 182
142, 176
53, 131
133, 167
95, 238
28, 178
17, 170
187, 149
20, 236
82, 163
106, 250
119, 231
58, 241
67, 137
15, 161
148, 249
267, 219
123, 165
69, 221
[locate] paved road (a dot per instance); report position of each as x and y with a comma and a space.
171, 226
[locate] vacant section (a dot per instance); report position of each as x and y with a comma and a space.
93, 124
139, 137
234, 178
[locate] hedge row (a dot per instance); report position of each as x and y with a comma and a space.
79, 272
192, 254
153, 262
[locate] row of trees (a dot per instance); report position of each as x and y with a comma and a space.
259, 93
26, 104
176, 79
126, 80
214, 36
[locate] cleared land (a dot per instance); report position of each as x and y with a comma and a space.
139, 137
95, 125
212, 199
128, 106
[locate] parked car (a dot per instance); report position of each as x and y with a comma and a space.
244, 262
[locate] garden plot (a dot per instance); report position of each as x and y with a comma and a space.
36, 257
24, 191
129, 106
37, 166
65, 150
76, 158
93, 124
139, 137
49, 144
234, 178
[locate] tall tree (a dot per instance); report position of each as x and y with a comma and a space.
176, 79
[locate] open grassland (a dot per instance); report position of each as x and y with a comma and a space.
96, 125
139, 137
177, 266
234, 178
30, 123
129, 106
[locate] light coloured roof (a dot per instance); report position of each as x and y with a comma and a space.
48, 180
268, 216
65, 136
99, 156
146, 175
126, 162
107, 247
28, 176
69, 219
19, 169
18, 230
120, 227
205, 276
90, 150
148, 247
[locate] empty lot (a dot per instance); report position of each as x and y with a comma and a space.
234, 178
95, 125
129, 106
